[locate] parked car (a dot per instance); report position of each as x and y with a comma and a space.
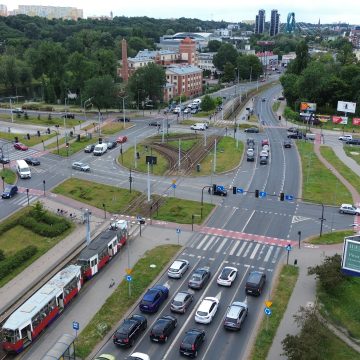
80, 166
153, 298
353, 142
138, 356
295, 136
129, 330
199, 278
68, 116
192, 342
263, 160
32, 161
292, 129
122, 139
253, 130
187, 110
112, 144
287, 144
162, 328
349, 209
154, 123
105, 357
17, 111
227, 276
181, 302
121, 118
20, 146
345, 137
255, 283
235, 315
89, 148
280, 97
9, 191
194, 111
178, 268
4, 160
207, 310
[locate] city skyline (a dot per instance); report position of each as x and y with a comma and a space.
229, 10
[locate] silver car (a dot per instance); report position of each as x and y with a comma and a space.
181, 302
80, 166
178, 268
349, 209
199, 278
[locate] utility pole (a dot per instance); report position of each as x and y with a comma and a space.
135, 155
215, 157
179, 163
322, 219
86, 216
148, 182
130, 180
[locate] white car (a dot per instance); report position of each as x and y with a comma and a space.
187, 110
345, 137
250, 152
178, 268
266, 147
207, 310
264, 153
349, 209
138, 356
227, 276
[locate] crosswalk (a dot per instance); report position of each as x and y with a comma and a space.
20, 199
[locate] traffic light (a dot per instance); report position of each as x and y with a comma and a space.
282, 196
28, 136
100, 140
234, 189
214, 188
256, 193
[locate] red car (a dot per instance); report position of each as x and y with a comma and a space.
121, 139
20, 146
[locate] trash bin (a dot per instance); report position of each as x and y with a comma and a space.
198, 168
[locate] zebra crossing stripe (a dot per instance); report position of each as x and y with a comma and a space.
275, 255
222, 245
202, 241
248, 249
255, 251
237, 243
267, 256
241, 249
209, 242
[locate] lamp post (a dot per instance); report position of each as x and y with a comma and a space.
202, 199
322, 219
44, 186
57, 138
12, 114
3, 180
123, 107
27, 194
299, 234
85, 102
65, 121
104, 206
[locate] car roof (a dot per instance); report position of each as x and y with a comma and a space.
234, 309
177, 264
347, 205
255, 276
206, 303
180, 296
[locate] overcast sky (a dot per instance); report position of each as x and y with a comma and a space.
328, 11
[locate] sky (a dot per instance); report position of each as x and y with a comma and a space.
328, 11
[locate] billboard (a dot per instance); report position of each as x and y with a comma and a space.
356, 121
306, 106
347, 107
341, 120
323, 118
350, 263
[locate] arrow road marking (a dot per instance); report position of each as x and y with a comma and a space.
297, 219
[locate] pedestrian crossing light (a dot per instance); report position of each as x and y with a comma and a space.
256, 193
282, 196
234, 189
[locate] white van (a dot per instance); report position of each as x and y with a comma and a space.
198, 126
23, 169
100, 149
197, 101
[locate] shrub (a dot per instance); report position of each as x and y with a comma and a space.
291, 114
2, 255
43, 228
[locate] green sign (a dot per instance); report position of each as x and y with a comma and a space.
351, 258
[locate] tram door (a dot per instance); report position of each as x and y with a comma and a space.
94, 265
26, 334
113, 248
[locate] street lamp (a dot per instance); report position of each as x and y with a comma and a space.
123, 104
85, 102
104, 206
322, 219
57, 138
44, 186
202, 199
27, 194
299, 233
3, 180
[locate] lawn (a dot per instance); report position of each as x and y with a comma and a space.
95, 194
185, 145
319, 182
228, 156
9, 176
280, 298
74, 145
335, 237
276, 106
353, 152
114, 127
34, 139
118, 304
329, 154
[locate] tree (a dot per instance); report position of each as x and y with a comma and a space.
249, 66
208, 103
346, 56
226, 54
302, 59
214, 45
229, 72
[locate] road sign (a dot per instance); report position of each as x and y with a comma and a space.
288, 247
128, 271
268, 303
289, 197
138, 217
128, 278
267, 311
173, 186
178, 230
220, 187
173, 181
239, 190
262, 194
76, 325
351, 256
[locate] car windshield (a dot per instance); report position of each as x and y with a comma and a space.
7, 188
196, 278
201, 313
225, 273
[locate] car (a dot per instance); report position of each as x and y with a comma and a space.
263, 99
263, 160
253, 130
187, 110
287, 144
122, 139
153, 298
292, 129
89, 148
17, 111
263, 80
199, 278
9, 191
80, 166
250, 151
129, 330
181, 302
162, 328
32, 161
264, 142
250, 157
353, 142
345, 137
138, 356
255, 283
20, 146
250, 142
4, 160
235, 315
68, 116
206, 310
154, 123
295, 136
192, 342
219, 191
121, 118
264, 153
194, 111
349, 209
112, 144
105, 357
178, 268
227, 276
198, 126
266, 148
281, 97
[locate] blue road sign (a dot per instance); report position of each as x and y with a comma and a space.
267, 311
173, 186
262, 194
178, 230
138, 217
239, 190
220, 187
289, 197
128, 278
76, 325
288, 247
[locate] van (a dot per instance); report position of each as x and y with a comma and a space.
310, 136
23, 169
255, 283
198, 126
100, 149
197, 101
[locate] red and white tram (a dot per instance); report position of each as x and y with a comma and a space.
31, 318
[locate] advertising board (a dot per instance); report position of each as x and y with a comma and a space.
347, 107
341, 120
350, 263
307, 107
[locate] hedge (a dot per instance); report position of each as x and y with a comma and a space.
44, 228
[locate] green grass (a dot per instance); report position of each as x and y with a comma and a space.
280, 298
335, 237
113, 127
95, 194
276, 106
128, 160
353, 152
318, 180
228, 157
74, 145
329, 154
9, 176
185, 145
181, 211
34, 139
117, 305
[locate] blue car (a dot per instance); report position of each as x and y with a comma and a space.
153, 298
9, 191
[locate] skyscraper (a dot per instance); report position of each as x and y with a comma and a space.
260, 22
274, 23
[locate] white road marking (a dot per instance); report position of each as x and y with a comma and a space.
209, 242
247, 250
241, 249
237, 243
202, 242
246, 224
255, 251
267, 256
222, 245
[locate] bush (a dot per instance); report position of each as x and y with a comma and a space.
291, 114
2, 255
47, 227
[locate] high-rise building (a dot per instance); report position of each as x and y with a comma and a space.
274, 23
3, 10
50, 12
260, 22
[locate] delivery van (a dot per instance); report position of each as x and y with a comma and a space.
100, 149
23, 169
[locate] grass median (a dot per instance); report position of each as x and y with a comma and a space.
34, 139
280, 297
9, 176
353, 152
335, 237
119, 302
320, 185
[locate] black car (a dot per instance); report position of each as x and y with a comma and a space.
154, 123
129, 330
89, 148
219, 191
263, 160
292, 129
4, 160
121, 118
253, 130
287, 144
32, 161
9, 191
255, 283
295, 136
68, 116
162, 328
111, 145
191, 343
353, 142
199, 278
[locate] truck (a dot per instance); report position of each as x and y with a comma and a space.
23, 169
100, 149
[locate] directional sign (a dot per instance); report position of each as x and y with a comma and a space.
173, 181
268, 303
178, 230
128, 278
239, 190
138, 217
220, 187
173, 186
289, 197
76, 325
288, 247
128, 271
262, 194
267, 311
